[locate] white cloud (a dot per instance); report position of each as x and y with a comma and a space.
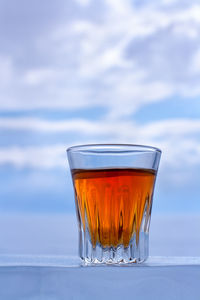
120, 57
34, 157
159, 129
195, 64
175, 159
173, 128
40, 76
129, 57
6, 71
84, 2
178, 138
76, 125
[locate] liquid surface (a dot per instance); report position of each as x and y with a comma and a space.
111, 203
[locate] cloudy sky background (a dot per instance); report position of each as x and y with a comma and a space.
76, 72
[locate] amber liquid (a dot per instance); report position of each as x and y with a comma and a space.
111, 203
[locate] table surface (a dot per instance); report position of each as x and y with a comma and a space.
64, 278
38, 261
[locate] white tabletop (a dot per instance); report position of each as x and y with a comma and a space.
38, 261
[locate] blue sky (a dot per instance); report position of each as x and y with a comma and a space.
81, 72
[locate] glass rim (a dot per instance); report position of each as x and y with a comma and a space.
91, 148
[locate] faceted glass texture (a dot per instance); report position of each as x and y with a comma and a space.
113, 187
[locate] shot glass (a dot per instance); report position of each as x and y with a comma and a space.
113, 187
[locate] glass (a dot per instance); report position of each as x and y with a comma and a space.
113, 186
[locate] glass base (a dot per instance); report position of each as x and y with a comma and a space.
134, 253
